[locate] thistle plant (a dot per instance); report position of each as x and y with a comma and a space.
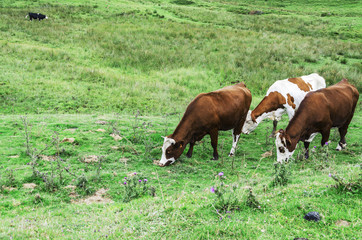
226, 197
322, 157
281, 174
136, 186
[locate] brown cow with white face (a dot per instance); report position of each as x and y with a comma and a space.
223, 109
318, 113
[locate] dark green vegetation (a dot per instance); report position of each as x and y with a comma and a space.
136, 65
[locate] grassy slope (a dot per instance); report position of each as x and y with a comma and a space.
109, 56
183, 205
120, 56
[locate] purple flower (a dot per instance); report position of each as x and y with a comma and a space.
221, 174
125, 177
125, 183
140, 180
315, 146
329, 175
212, 189
145, 180
326, 143
134, 173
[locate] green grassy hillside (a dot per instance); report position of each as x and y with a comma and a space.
155, 56
86, 95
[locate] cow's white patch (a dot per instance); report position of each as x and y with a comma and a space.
166, 144
311, 137
283, 154
285, 87
46, 17
235, 142
341, 146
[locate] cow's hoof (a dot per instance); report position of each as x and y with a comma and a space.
188, 155
214, 159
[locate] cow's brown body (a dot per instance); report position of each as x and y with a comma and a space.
318, 113
208, 113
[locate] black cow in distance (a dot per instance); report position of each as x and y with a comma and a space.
38, 16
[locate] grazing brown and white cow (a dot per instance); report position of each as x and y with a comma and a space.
223, 109
283, 96
318, 113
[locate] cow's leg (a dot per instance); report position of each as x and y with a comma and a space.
236, 136
325, 136
306, 147
214, 136
189, 152
342, 142
275, 123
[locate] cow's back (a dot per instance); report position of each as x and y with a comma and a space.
222, 108
336, 102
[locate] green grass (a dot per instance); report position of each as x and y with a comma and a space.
110, 56
136, 65
183, 205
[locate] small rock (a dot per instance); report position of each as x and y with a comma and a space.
267, 154
312, 216
9, 188
343, 223
115, 137
29, 185
70, 140
90, 158
14, 156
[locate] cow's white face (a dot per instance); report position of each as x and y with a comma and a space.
249, 124
281, 143
171, 150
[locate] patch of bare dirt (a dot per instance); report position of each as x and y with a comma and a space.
14, 156
115, 147
100, 130
116, 137
98, 197
72, 193
29, 185
70, 140
9, 188
123, 160
72, 130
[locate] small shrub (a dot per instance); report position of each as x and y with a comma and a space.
136, 186
353, 185
226, 197
251, 200
281, 175
9, 180
321, 157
